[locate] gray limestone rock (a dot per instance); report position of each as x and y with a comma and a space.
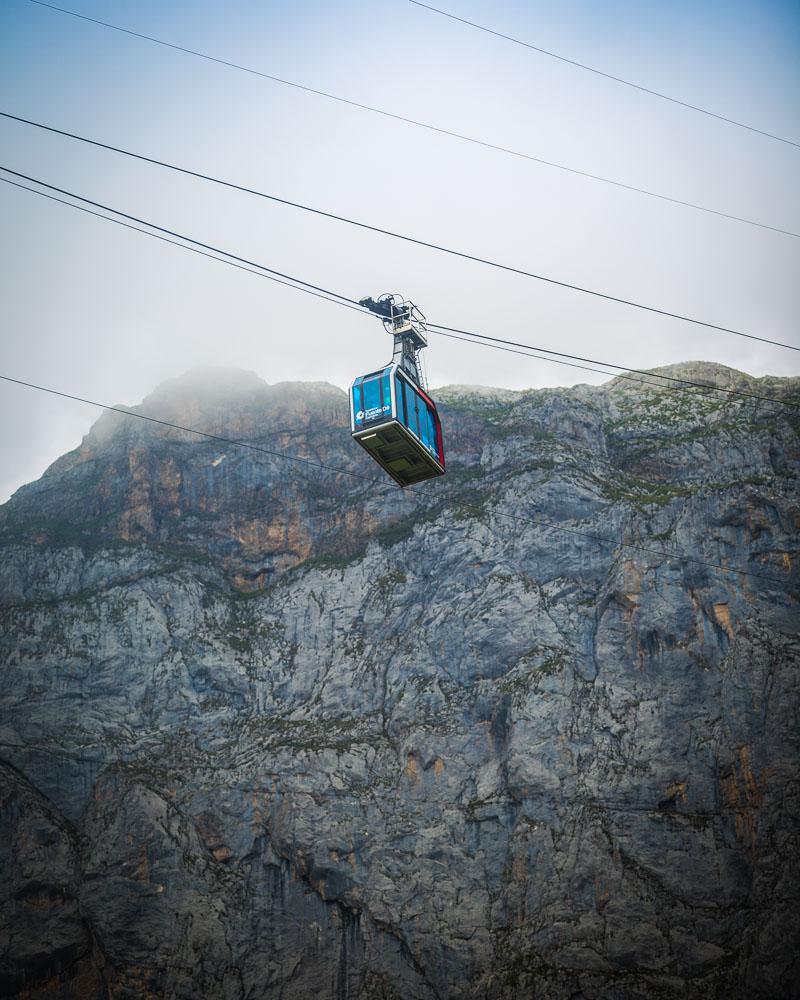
275, 731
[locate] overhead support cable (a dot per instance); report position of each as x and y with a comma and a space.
537, 521
261, 270
338, 302
301, 288
608, 76
206, 246
420, 124
530, 353
401, 236
436, 327
289, 282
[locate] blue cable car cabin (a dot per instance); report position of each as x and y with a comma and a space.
394, 420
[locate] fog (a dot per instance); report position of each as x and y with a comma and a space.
99, 311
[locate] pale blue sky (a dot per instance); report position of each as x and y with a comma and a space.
97, 311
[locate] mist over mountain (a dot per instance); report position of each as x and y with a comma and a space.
277, 729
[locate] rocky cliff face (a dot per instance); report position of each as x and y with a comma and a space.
272, 731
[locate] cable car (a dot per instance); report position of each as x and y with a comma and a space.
391, 415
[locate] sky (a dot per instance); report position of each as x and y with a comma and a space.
95, 310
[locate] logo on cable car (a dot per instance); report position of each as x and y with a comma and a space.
374, 411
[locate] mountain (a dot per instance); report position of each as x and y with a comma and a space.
277, 729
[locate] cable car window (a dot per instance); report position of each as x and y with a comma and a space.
409, 405
429, 438
400, 396
434, 432
374, 399
425, 425
416, 423
358, 404
434, 435
416, 414
423, 422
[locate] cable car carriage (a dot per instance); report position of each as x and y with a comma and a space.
391, 415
